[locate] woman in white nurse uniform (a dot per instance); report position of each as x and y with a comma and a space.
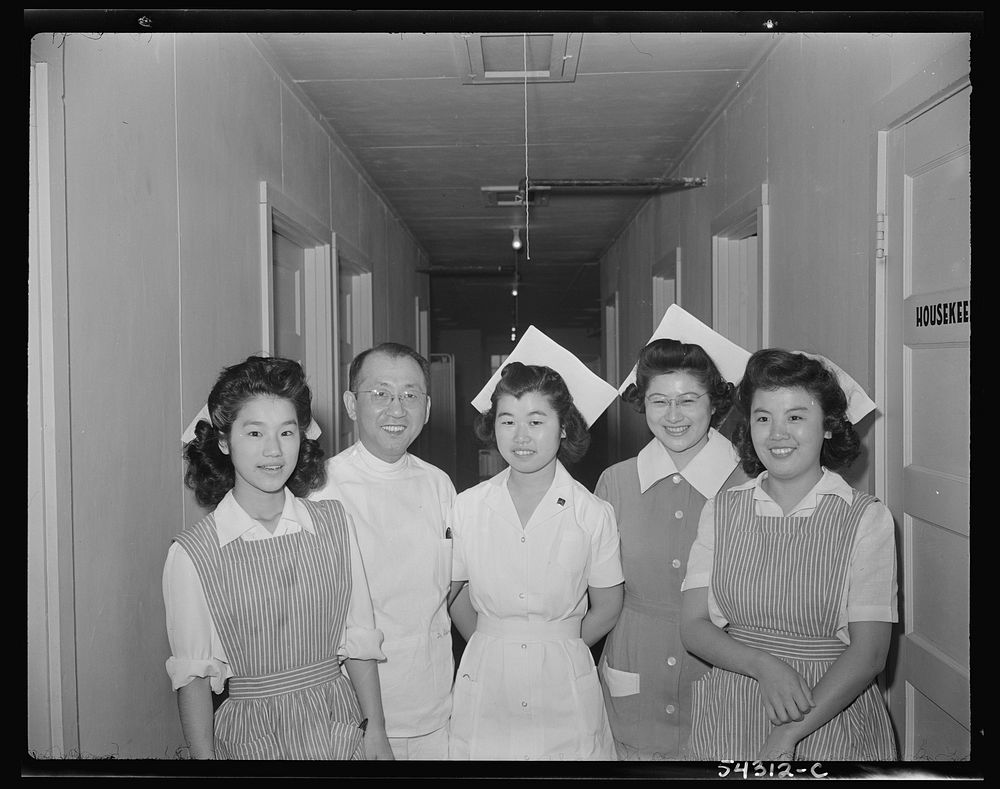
540, 555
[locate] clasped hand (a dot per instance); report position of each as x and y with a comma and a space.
786, 695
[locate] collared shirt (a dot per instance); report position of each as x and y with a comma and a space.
196, 650
402, 512
705, 472
870, 594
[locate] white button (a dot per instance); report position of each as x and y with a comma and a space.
671, 661
524, 646
676, 563
522, 539
677, 479
521, 595
524, 704
678, 514
670, 709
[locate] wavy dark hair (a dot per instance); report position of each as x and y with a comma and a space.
518, 379
393, 350
672, 356
774, 368
210, 473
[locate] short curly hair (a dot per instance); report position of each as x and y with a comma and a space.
518, 379
672, 356
774, 368
210, 472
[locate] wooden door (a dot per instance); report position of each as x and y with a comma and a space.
289, 299
927, 465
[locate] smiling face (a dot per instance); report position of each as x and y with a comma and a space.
263, 444
786, 427
528, 433
388, 430
679, 413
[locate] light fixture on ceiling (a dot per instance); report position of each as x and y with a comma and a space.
516, 241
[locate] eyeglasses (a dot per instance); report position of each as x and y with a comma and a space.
686, 402
382, 397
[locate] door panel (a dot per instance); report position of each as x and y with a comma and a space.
289, 299
927, 425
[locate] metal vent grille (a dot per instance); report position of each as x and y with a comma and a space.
499, 58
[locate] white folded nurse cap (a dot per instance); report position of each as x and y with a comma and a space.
312, 431
682, 326
859, 404
591, 393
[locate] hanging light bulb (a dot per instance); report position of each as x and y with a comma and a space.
513, 290
516, 242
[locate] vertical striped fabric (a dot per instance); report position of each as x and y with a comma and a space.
279, 606
780, 581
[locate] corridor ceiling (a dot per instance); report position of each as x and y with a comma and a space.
448, 125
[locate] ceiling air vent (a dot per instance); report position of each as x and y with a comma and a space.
498, 58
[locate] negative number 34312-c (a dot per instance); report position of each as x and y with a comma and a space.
769, 770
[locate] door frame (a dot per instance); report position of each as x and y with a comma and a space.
347, 258
936, 83
280, 214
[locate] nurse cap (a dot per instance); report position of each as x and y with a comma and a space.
859, 404
312, 431
682, 326
591, 393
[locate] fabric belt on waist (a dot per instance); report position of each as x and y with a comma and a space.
516, 630
652, 608
790, 646
284, 681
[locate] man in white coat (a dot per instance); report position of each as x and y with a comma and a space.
401, 506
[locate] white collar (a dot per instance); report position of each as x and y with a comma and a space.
706, 472
557, 498
232, 521
830, 484
377, 464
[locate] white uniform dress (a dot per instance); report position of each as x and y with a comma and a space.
527, 687
401, 511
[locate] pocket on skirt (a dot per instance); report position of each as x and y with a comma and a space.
619, 683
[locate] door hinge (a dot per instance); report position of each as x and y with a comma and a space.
880, 223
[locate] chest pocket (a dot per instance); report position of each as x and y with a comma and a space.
572, 553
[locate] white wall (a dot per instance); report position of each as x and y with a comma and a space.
166, 139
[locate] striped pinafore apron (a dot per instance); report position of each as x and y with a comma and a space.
279, 606
780, 582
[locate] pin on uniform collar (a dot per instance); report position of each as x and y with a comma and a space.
682, 326
312, 431
591, 393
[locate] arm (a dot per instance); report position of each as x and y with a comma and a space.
194, 703
605, 607
785, 694
364, 677
463, 615
849, 675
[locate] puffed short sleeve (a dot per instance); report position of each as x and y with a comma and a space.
605, 559
361, 640
195, 647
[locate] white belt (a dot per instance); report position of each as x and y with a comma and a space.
519, 630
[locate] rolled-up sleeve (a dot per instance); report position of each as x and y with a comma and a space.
872, 584
700, 560
361, 640
195, 647
605, 546
699, 566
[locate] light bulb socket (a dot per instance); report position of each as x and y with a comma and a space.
516, 241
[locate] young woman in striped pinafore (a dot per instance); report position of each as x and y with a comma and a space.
791, 585
268, 591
